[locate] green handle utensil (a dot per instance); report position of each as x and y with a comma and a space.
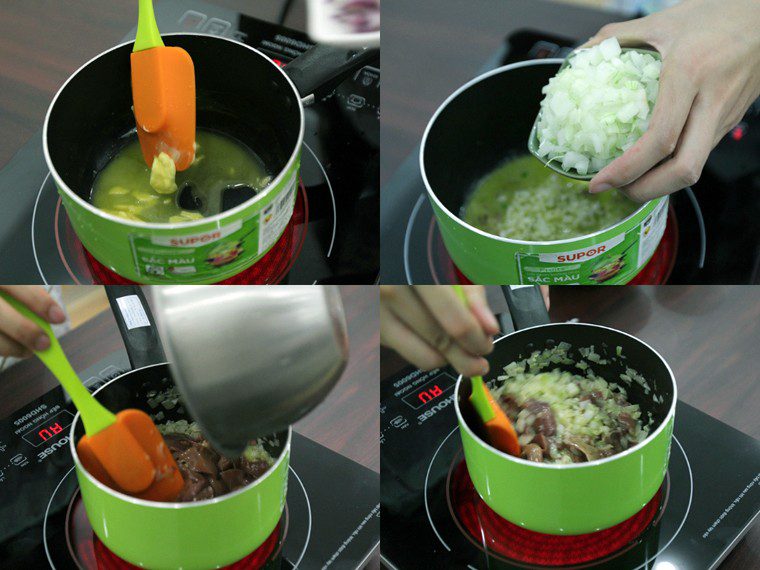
125, 451
500, 431
94, 415
148, 35
479, 396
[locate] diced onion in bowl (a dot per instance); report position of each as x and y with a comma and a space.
597, 106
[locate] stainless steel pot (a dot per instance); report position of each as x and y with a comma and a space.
251, 360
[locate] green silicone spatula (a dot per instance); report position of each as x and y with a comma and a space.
124, 451
501, 433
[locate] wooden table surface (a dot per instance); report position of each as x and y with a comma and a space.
346, 422
431, 47
709, 335
43, 42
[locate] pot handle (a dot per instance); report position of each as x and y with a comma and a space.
526, 305
136, 325
318, 71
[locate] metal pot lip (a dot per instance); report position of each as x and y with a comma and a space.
461, 222
218, 218
532, 464
155, 504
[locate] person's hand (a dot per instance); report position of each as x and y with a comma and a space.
18, 335
430, 326
710, 76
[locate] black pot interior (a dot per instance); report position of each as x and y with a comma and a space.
482, 127
638, 356
238, 93
133, 391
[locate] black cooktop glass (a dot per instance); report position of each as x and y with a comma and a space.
713, 230
43, 525
333, 237
710, 497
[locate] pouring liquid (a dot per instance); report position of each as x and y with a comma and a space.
222, 166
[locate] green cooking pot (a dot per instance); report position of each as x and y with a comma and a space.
197, 535
480, 125
240, 93
576, 498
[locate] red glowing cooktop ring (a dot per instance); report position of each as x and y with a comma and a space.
90, 553
656, 272
269, 269
481, 524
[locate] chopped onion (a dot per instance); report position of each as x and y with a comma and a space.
597, 107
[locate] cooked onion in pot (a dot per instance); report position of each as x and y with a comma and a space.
568, 417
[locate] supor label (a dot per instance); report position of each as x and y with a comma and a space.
196, 239
584, 254
202, 256
615, 260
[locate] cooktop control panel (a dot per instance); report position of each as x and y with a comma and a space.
34, 447
360, 94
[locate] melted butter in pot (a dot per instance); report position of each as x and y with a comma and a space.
128, 188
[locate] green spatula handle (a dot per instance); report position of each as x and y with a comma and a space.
94, 415
479, 396
148, 35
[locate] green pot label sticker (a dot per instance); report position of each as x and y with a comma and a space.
223, 251
275, 216
616, 260
651, 231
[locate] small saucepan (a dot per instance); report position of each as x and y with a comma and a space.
478, 127
204, 534
577, 498
240, 93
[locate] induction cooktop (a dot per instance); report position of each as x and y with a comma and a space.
333, 235
43, 523
712, 235
433, 517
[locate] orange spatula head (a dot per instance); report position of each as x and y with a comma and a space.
131, 456
168, 481
163, 93
501, 432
